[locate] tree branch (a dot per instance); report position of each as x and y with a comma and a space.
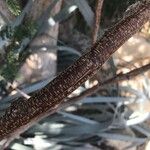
118, 78
24, 113
98, 12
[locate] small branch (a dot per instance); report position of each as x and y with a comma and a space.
127, 76
24, 113
115, 79
19, 91
97, 19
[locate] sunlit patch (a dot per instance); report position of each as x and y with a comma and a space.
52, 56
71, 108
137, 118
34, 61
39, 143
44, 49
142, 48
72, 8
133, 40
51, 21
13, 92
128, 58
55, 126
147, 146
1, 27
125, 70
17, 43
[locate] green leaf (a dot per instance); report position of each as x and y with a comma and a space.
14, 7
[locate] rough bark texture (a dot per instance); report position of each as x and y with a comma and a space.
22, 112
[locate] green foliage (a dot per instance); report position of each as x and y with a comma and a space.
9, 71
7, 32
28, 29
14, 55
14, 7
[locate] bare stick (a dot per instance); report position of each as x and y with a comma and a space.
5, 13
24, 113
97, 19
117, 78
127, 76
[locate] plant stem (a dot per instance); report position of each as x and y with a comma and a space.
118, 78
24, 113
98, 13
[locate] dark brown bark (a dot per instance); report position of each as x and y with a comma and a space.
23, 113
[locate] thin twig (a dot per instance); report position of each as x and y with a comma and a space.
16, 89
24, 113
127, 76
22, 93
117, 78
98, 13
